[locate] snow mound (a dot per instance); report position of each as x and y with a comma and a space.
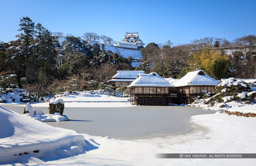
232, 94
22, 138
30, 109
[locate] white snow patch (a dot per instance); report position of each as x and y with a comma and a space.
242, 95
23, 138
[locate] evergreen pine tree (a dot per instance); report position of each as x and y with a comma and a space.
46, 53
26, 59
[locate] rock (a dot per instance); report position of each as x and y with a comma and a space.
222, 106
56, 106
247, 102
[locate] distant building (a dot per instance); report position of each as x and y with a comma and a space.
131, 40
124, 77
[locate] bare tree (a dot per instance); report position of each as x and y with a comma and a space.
58, 34
249, 40
96, 37
91, 37
110, 41
104, 38
209, 42
169, 43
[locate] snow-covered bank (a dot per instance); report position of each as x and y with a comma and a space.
90, 99
89, 104
22, 138
80, 99
87, 96
78, 104
232, 95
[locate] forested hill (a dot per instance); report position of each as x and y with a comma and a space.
44, 61
37, 56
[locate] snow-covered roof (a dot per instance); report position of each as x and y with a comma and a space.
150, 80
171, 80
127, 74
122, 80
198, 77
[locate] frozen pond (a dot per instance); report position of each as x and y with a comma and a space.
126, 122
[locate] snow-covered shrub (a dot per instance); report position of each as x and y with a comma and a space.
122, 91
92, 84
231, 90
74, 85
109, 89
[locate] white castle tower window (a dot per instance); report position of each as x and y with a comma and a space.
131, 40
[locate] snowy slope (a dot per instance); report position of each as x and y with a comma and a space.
125, 52
136, 54
22, 137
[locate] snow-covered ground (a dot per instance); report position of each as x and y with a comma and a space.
88, 99
79, 99
23, 138
88, 96
212, 133
232, 106
13, 97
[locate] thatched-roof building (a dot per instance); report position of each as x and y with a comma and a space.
194, 84
150, 89
124, 77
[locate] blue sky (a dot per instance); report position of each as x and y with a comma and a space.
180, 21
